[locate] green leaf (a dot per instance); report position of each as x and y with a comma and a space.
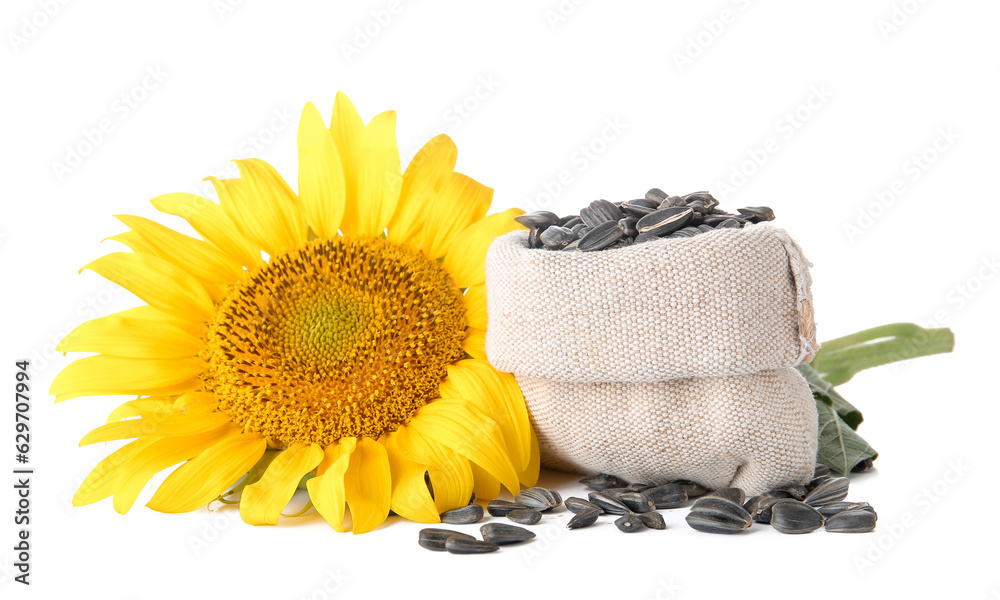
840, 447
823, 391
840, 359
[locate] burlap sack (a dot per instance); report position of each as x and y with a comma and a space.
666, 360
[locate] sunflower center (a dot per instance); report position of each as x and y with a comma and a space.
337, 338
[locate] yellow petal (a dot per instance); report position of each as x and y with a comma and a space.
174, 424
424, 177
132, 240
499, 396
485, 485
450, 472
461, 202
348, 131
475, 343
262, 502
142, 406
475, 306
529, 475
208, 219
326, 489
378, 179
461, 426
112, 375
410, 497
263, 207
321, 174
129, 337
368, 485
101, 481
156, 281
161, 454
466, 258
201, 479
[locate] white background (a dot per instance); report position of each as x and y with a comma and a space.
553, 105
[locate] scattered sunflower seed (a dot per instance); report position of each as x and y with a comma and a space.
608, 503
434, 539
629, 523
463, 545
718, 515
790, 516
733, 494
500, 508
830, 490
668, 495
828, 510
538, 498
602, 481
821, 469
692, 489
637, 501
652, 520
470, 513
578, 505
501, 533
525, 516
855, 520
584, 518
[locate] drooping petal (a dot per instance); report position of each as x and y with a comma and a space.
321, 174
465, 429
378, 179
368, 485
475, 306
125, 336
163, 453
424, 176
264, 208
475, 343
156, 281
410, 497
262, 502
174, 424
101, 481
449, 471
208, 219
201, 479
326, 489
111, 375
466, 256
198, 258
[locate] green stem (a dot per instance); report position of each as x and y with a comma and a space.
840, 359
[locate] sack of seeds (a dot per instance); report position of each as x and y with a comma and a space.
662, 360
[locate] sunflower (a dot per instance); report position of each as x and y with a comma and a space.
330, 339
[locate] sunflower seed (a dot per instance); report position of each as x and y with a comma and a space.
833, 508
668, 495
639, 208
856, 520
761, 509
705, 228
672, 202
533, 238
434, 539
571, 221
556, 237
500, 508
718, 515
584, 518
729, 224
821, 469
656, 194
502, 534
789, 516
538, 498
627, 225
692, 489
637, 501
578, 505
665, 220
833, 489
683, 233
815, 481
469, 513
602, 481
797, 492
601, 236
572, 246
600, 211
645, 237
541, 219
653, 520
629, 523
733, 494
758, 213
461, 545
608, 503
525, 516
863, 466
579, 230
706, 199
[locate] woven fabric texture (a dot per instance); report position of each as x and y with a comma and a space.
729, 302
755, 432
660, 361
